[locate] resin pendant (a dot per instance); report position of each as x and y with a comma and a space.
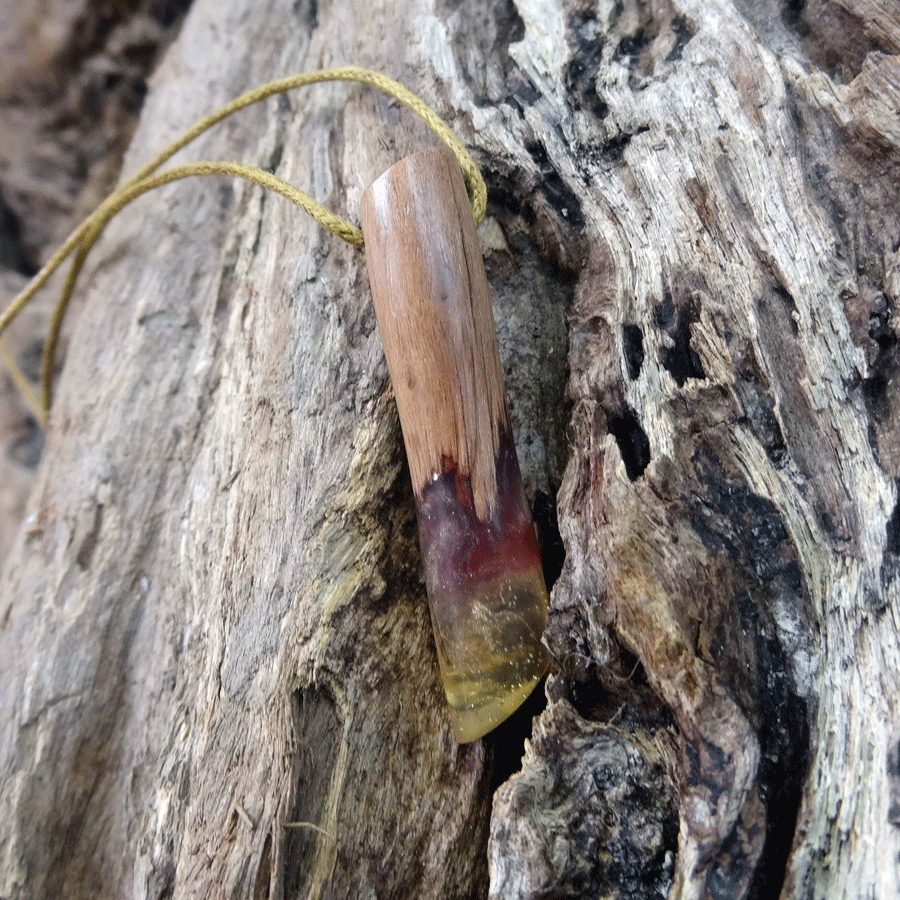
483, 571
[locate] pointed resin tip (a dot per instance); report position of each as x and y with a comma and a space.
482, 568
487, 596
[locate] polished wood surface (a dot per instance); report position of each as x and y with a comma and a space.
431, 299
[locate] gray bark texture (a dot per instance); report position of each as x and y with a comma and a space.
218, 676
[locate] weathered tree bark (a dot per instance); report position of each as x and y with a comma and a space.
72, 78
217, 665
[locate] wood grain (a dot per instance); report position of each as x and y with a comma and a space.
434, 315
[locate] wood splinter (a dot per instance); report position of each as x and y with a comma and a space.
483, 571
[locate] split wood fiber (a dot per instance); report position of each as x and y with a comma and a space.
482, 567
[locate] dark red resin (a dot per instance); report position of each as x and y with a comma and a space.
458, 548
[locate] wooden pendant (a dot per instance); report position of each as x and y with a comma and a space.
483, 571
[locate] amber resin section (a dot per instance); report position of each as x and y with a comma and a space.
487, 595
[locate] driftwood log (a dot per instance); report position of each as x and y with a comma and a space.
217, 673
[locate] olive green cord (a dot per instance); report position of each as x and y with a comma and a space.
21, 382
86, 234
